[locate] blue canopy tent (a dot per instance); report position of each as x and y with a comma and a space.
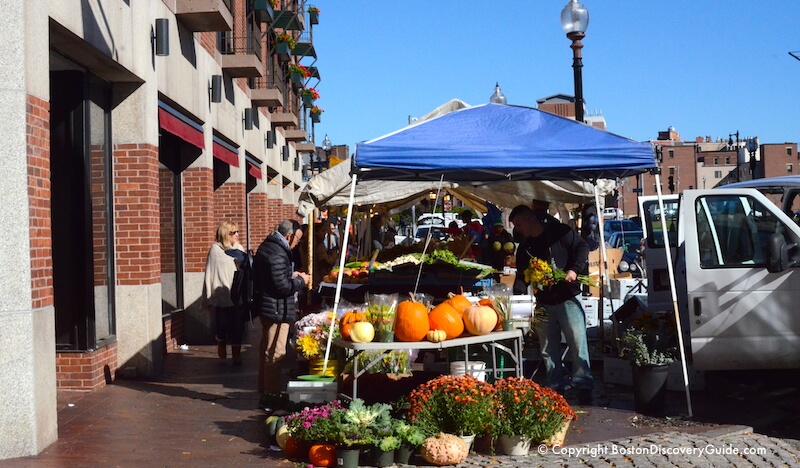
494, 142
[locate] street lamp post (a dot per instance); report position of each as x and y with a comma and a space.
574, 21
752, 147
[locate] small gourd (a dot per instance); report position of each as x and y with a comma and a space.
480, 320
436, 336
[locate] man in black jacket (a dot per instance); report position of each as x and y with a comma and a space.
276, 288
553, 241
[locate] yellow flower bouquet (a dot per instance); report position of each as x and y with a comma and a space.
312, 334
542, 274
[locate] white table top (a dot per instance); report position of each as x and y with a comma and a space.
465, 340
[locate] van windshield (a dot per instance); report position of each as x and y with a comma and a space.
652, 223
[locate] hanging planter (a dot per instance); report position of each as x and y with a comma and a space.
309, 95
315, 118
313, 15
297, 78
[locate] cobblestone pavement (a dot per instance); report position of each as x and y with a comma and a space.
728, 447
202, 413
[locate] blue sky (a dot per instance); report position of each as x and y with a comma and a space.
707, 68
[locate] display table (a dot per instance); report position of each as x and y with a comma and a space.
515, 353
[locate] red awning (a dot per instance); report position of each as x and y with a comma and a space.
254, 170
180, 129
224, 154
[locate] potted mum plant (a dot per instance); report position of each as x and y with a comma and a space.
460, 405
527, 413
318, 427
649, 344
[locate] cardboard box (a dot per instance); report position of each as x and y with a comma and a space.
312, 392
618, 371
590, 307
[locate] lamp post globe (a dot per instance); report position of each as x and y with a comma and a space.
497, 97
575, 21
326, 144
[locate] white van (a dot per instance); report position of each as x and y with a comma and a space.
737, 276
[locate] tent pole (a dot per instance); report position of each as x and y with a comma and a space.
339, 277
671, 271
602, 269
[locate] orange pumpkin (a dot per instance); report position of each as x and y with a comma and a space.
322, 455
295, 448
445, 317
411, 321
459, 302
480, 320
347, 321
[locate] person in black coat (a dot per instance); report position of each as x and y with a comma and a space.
556, 242
276, 288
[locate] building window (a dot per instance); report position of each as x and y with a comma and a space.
672, 170
789, 151
727, 160
716, 161
717, 174
788, 168
671, 153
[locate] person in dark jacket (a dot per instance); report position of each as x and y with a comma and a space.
276, 288
556, 242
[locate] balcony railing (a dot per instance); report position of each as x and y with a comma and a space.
240, 45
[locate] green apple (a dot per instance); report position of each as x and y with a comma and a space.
508, 247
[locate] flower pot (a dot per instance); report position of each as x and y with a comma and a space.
297, 77
315, 367
313, 17
557, 439
315, 118
347, 457
513, 445
508, 325
402, 454
308, 101
382, 458
283, 49
468, 439
650, 388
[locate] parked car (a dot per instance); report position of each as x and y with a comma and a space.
619, 225
630, 242
612, 213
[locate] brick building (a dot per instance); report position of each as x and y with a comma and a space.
131, 130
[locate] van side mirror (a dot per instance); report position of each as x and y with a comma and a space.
778, 253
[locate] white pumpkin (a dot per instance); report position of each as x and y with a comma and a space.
480, 320
362, 332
